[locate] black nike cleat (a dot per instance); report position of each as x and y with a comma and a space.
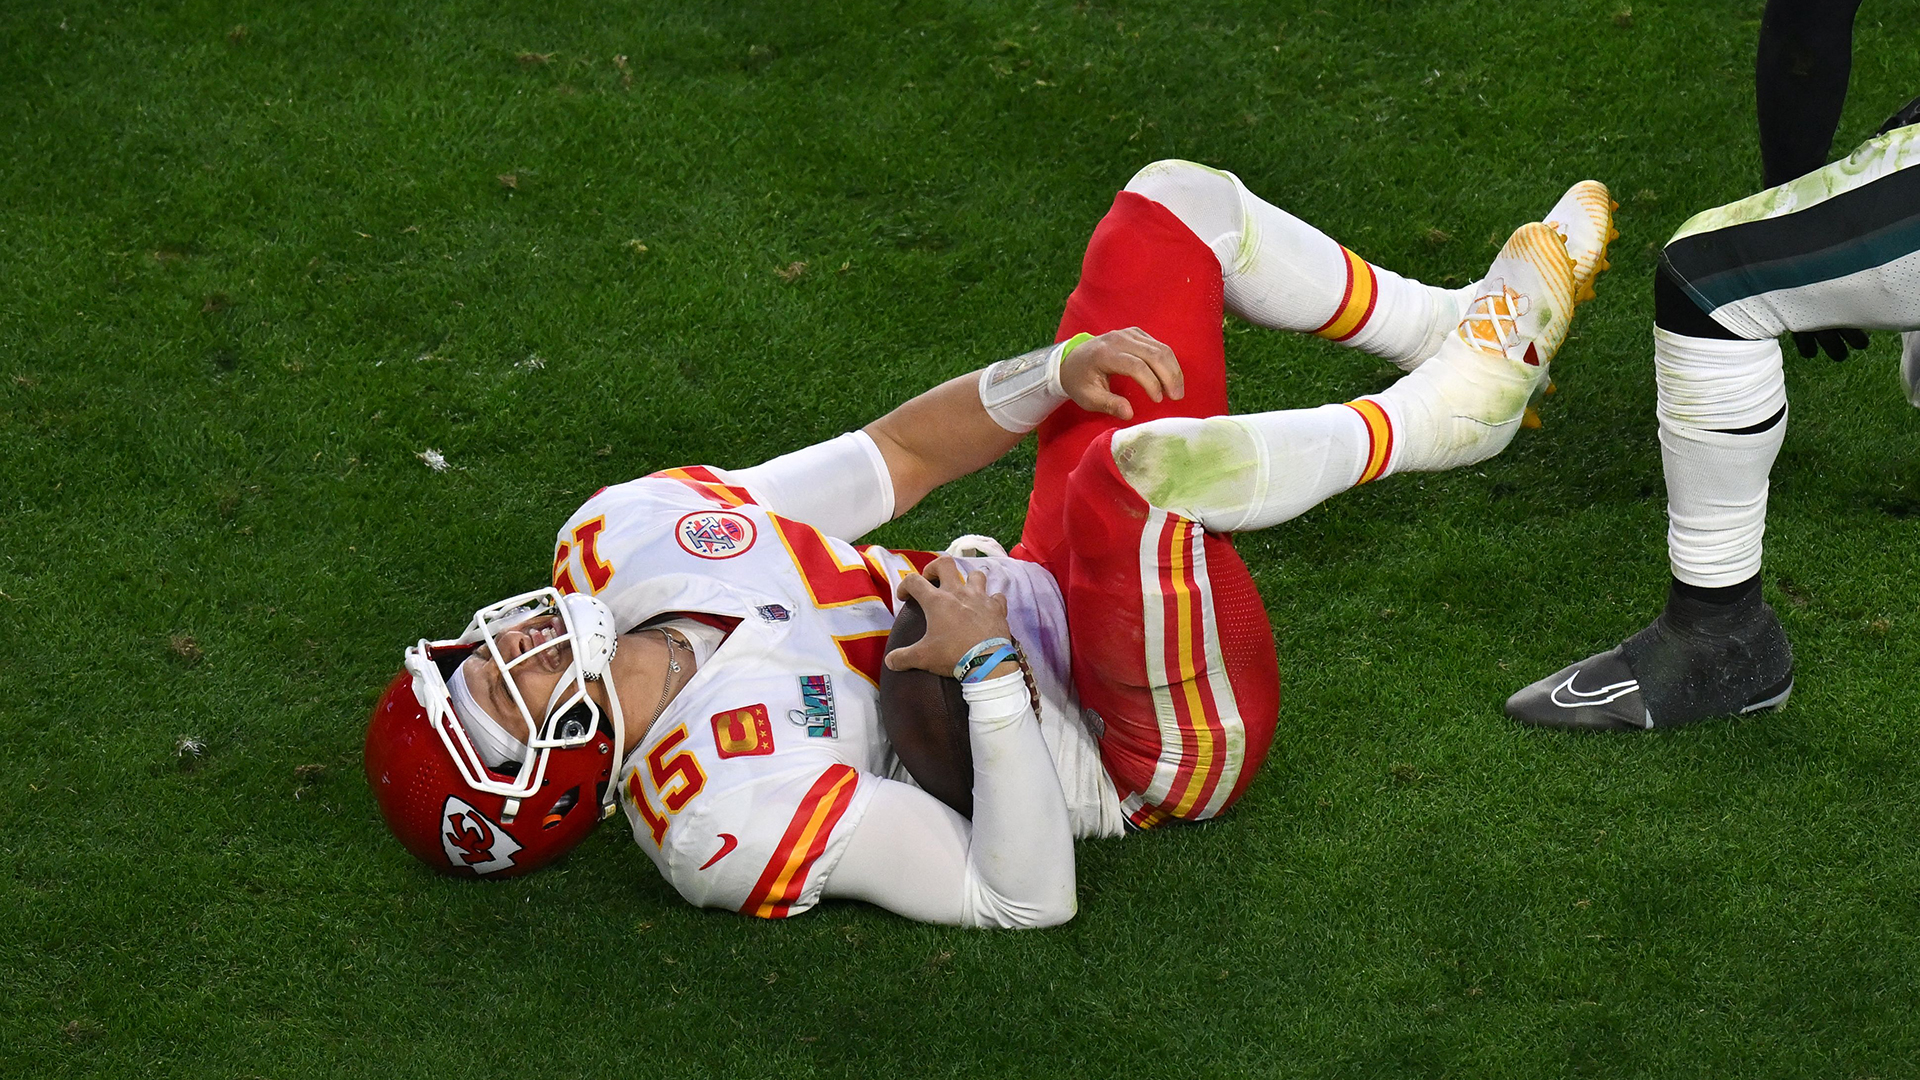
1692, 663
1599, 693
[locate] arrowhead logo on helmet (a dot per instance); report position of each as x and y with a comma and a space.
472, 841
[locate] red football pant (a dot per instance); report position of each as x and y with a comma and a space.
1171, 643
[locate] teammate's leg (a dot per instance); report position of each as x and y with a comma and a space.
1837, 247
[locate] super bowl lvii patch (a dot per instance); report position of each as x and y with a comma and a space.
816, 708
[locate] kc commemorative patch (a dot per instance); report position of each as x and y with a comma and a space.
816, 711
714, 534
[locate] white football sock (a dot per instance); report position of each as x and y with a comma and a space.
1455, 410
1284, 274
1716, 479
1234, 473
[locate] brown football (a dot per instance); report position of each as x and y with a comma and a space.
925, 718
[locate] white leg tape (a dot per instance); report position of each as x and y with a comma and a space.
1716, 480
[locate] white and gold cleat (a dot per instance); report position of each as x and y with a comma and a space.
1584, 219
1465, 403
1524, 305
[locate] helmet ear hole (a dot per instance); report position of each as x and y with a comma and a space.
560, 807
575, 723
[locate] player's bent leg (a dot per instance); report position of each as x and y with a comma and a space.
1282, 273
1236, 473
1233, 473
1169, 267
1172, 648
1717, 648
1144, 268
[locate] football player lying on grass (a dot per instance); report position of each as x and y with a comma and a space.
710, 653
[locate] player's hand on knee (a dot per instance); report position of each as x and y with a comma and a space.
960, 612
1835, 342
1089, 368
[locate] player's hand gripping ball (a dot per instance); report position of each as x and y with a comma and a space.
921, 706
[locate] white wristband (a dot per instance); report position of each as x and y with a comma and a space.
1021, 392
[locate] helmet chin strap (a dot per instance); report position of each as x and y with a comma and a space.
619, 748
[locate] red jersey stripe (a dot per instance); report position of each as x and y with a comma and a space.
805, 840
702, 479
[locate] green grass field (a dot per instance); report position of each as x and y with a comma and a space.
255, 258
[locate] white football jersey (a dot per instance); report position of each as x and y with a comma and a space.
746, 789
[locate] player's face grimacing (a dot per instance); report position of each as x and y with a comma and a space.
536, 674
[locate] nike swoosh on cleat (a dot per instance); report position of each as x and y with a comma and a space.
727, 843
1606, 695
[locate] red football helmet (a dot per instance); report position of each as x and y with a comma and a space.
439, 797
